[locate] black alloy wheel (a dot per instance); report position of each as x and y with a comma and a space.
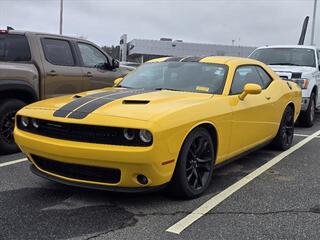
193, 171
198, 164
7, 126
283, 140
8, 110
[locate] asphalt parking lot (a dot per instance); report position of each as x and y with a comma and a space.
282, 202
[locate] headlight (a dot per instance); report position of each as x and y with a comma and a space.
35, 123
25, 121
302, 82
145, 135
129, 134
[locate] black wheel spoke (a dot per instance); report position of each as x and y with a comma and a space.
204, 160
199, 162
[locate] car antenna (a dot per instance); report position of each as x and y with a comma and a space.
10, 28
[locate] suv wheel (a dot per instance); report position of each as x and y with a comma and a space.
8, 110
306, 118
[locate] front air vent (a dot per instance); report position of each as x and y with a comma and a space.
135, 101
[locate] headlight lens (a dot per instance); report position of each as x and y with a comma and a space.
35, 123
129, 134
145, 135
302, 82
25, 121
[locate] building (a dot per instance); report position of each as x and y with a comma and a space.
141, 50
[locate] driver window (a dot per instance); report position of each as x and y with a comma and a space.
91, 56
242, 76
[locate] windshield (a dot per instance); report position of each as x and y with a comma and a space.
285, 56
178, 76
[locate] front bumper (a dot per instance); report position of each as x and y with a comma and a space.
40, 173
154, 162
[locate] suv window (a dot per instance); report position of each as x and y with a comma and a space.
14, 48
91, 56
244, 75
58, 52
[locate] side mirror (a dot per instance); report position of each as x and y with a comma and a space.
117, 81
115, 63
250, 88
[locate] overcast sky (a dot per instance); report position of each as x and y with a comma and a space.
254, 22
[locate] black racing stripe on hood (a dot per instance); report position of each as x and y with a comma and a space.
69, 107
90, 107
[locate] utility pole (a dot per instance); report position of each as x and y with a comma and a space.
313, 21
61, 16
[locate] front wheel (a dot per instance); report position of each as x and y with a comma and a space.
306, 118
194, 167
8, 110
283, 140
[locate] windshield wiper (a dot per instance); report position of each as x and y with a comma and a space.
163, 88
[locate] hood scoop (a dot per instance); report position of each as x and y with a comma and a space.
139, 102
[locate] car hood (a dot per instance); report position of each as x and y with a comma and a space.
292, 69
126, 103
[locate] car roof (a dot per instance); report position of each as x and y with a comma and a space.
208, 59
21, 32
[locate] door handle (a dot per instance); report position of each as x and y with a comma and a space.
268, 97
52, 73
89, 74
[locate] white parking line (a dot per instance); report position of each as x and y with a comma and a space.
304, 135
13, 162
217, 199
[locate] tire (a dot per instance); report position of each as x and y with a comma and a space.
8, 110
306, 118
284, 137
193, 171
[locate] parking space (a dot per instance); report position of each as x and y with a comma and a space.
281, 203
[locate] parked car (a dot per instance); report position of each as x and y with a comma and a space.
36, 66
299, 64
170, 122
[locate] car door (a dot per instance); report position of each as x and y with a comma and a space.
61, 71
96, 67
252, 118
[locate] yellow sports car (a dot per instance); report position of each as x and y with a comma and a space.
168, 123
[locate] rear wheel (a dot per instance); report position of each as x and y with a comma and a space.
194, 168
306, 118
283, 140
8, 110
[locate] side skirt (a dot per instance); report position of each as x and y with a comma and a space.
262, 145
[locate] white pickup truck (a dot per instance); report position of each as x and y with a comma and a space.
299, 64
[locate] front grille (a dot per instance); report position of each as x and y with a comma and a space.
82, 133
76, 171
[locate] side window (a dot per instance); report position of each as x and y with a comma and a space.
266, 79
91, 56
242, 76
58, 52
